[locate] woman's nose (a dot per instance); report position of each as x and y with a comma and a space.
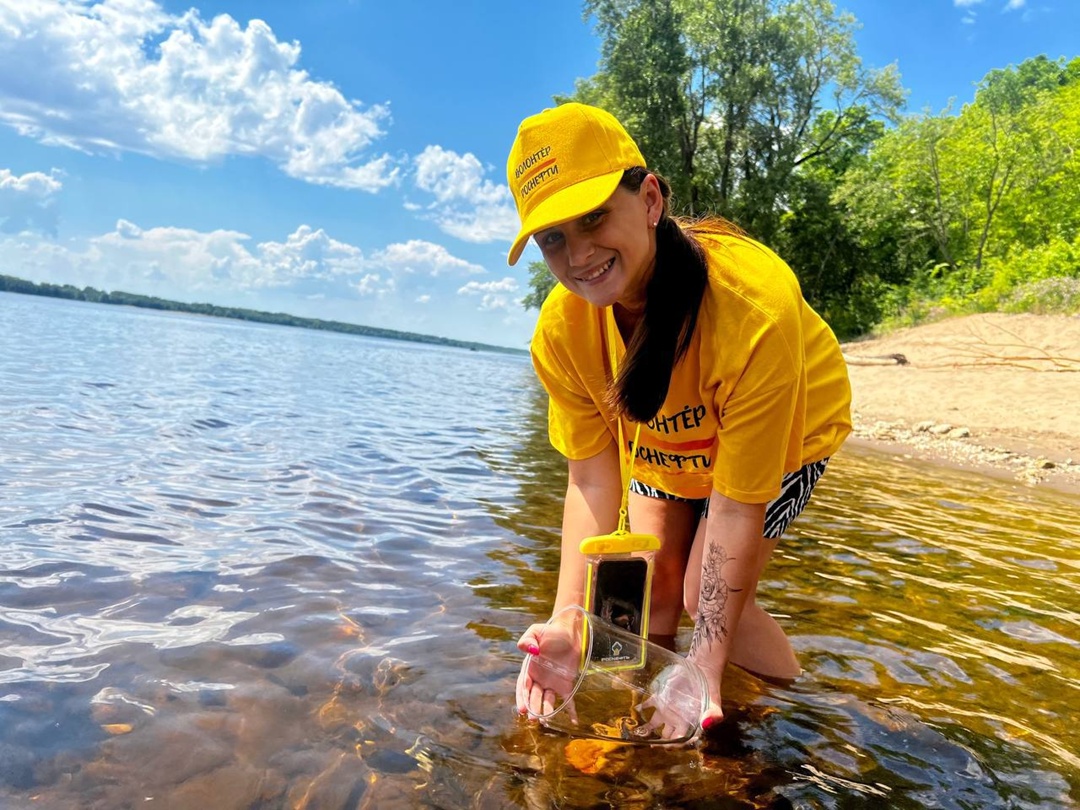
579, 249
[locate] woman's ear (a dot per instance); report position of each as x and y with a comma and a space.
653, 198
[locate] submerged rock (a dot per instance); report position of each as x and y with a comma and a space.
16, 766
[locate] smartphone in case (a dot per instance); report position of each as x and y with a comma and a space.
620, 593
620, 597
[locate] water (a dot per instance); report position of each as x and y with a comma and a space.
246, 566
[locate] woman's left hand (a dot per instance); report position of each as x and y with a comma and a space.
551, 673
675, 701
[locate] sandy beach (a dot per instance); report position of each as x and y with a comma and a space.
991, 392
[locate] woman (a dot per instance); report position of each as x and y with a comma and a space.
739, 388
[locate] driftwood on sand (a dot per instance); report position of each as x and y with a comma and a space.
895, 359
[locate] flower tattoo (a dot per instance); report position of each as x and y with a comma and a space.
712, 605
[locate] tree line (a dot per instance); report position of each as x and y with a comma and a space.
762, 112
73, 293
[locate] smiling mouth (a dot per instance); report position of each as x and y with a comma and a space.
598, 272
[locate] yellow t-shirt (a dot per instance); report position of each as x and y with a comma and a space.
762, 390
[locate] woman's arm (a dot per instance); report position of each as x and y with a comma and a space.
593, 497
729, 570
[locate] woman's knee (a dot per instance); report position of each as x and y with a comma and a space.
666, 607
668, 573
674, 523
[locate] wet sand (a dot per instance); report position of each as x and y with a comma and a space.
992, 392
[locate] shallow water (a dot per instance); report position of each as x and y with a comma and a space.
245, 566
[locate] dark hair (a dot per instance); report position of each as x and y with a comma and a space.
673, 297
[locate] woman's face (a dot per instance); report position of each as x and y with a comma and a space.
607, 255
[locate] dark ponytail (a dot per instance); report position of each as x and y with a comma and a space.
672, 299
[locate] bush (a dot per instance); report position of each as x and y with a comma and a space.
1017, 277
1047, 296
936, 291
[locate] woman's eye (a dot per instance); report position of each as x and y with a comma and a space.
593, 217
550, 239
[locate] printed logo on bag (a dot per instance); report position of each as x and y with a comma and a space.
616, 655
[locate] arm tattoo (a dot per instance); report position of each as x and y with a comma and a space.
712, 605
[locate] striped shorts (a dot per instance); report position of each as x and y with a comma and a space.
795, 489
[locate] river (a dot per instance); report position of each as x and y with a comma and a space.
252, 566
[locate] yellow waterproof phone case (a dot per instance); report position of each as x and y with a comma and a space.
618, 584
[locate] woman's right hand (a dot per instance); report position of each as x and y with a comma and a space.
548, 677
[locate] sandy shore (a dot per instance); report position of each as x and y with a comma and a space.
993, 392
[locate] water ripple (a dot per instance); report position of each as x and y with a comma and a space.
287, 566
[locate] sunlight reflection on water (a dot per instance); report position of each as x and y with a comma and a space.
249, 566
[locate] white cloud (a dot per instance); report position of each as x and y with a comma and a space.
484, 223
307, 253
27, 202
34, 185
1014, 5
196, 261
450, 176
467, 205
966, 3
494, 294
164, 260
307, 262
375, 284
125, 75
412, 286
508, 284
418, 256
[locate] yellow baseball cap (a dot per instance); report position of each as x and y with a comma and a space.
565, 161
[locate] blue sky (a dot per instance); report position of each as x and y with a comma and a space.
343, 159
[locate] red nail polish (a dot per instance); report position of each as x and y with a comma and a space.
707, 723
534, 650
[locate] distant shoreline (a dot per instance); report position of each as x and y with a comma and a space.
69, 292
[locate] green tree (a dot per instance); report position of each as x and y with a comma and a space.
643, 82
724, 95
957, 194
841, 276
731, 99
541, 282
1010, 89
1033, 111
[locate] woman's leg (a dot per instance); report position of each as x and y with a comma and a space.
760, 644
674, 523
